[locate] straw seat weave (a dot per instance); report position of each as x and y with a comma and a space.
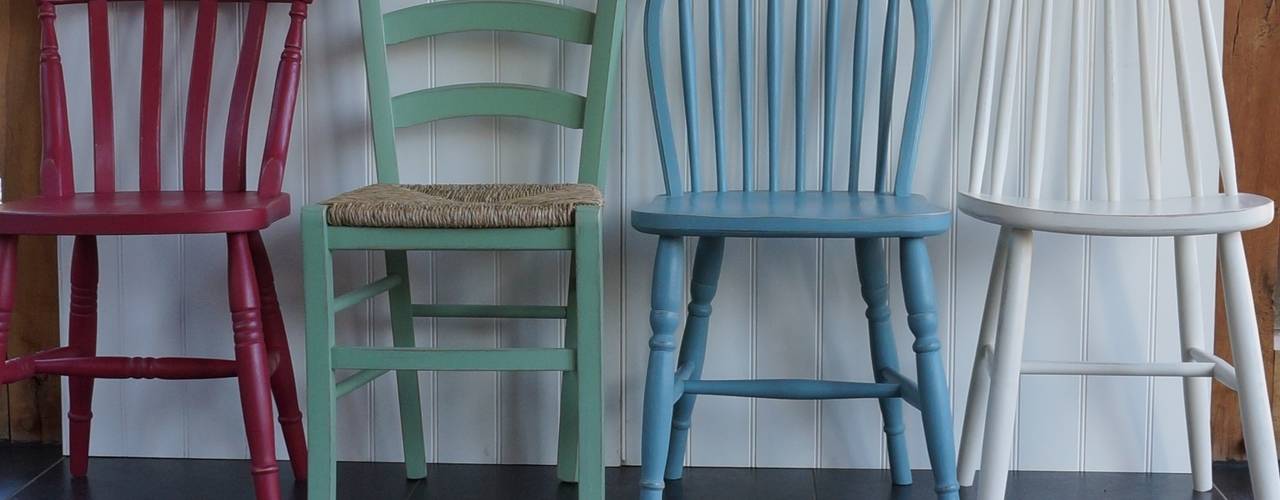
461, 206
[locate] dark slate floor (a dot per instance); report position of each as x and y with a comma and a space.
40, 472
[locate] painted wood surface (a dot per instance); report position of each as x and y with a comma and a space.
812, 285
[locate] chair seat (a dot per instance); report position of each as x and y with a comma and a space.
461, 206
789, 214
134, 213
1213, 214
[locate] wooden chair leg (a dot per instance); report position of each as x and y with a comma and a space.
1246, 353
1196, 391
283, 386
884, 354
8, 289
664, 318
935, 398
589, 281
317, 268
975, 409
693, 347
401, 300
568, 441
82, 333
1006, 369
254, 366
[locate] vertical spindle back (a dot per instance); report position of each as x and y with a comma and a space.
1002, 63
56, 168
834, 56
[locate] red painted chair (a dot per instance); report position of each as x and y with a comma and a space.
261, 352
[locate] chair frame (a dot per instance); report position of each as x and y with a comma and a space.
581, 446
998, 365
674, 381
262, 362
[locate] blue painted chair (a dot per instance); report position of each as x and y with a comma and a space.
890, 211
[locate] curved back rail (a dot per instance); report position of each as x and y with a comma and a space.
991, 155
601, 30
56, 167
831, 72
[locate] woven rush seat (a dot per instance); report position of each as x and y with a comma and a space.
461, 206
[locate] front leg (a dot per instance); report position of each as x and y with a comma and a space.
659, 387
922, 318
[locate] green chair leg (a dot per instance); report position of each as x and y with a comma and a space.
318, 285
401, 299
567, 460
588, 264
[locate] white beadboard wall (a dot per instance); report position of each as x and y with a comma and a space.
786, 308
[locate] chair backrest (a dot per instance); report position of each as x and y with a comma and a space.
56, 168
831, 73
1002, 54
601, 30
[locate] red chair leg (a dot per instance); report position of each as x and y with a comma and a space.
8, 286
282, 385
82, 328
254, 367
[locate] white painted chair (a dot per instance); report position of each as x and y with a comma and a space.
989, 414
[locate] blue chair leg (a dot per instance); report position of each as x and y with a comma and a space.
884, 354
922, 318
693, 347
659, 387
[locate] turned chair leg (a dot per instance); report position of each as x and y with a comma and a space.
975, 409
283, 386
884, 354
1246, 352
659, 388
1197, 391
1006, 369
8, 289
693, 347
254, 366
82, 333
922, 318
401, 301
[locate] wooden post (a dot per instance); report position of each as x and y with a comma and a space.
29, 410
1251, 53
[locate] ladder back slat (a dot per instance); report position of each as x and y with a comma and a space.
485, 99
773, 48
716, 46
150, 96
1040, 113
830, 70
747, 95
1150, 116
246, 79
802, 89
859, 105
689, 82
521, 16
195, 136
1182, 70
103, 112
888, 75
55, 169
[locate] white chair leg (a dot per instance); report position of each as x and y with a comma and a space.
998, 440
1196, 390
1246, 351
975, 409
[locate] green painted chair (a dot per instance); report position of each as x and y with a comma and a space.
396, 218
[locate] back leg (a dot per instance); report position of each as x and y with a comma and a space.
884, 354
693, 348
82, 332
282, 384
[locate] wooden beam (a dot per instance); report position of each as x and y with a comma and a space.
30, 410
1251, 71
